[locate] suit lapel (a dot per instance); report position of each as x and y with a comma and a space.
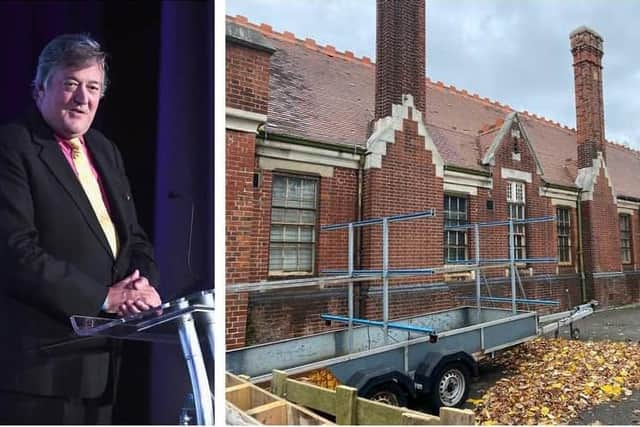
52, 156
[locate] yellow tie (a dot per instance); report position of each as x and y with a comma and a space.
92, 190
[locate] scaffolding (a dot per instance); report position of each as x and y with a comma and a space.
352, 276
477, 265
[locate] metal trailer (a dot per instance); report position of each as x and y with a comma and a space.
411, 364
432, 354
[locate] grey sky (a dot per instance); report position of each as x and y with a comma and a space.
512, 51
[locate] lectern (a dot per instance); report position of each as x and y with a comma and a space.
188, 321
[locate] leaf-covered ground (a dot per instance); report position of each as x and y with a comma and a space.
554, 379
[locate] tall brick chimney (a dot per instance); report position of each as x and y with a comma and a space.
600, 232
586, 48
400, 54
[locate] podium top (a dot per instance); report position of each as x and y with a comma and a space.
159, 324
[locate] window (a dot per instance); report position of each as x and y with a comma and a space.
293, 222
564, 235
516, 204
455, 241
625, 238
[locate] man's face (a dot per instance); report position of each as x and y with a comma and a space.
69, 99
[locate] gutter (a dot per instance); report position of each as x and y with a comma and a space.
357, 294
583, 280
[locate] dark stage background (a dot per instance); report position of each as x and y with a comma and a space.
159, 111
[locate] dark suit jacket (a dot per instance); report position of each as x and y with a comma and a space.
55, 260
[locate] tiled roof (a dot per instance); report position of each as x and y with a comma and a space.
319, 93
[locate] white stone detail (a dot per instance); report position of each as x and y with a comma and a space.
507, 173
588, 177
566, 198
627, 211
465, 183
628, 206
384, 132
461, 189
244, 121
306, 154
511, 118
287, 165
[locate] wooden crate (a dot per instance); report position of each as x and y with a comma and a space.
248, 404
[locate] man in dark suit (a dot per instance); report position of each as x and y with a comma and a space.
70, 243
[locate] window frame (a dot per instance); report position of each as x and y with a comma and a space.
298, 244
516, 201
457, 245
562, 225
629, 238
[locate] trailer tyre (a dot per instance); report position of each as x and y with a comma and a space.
451, 386
389, 393
575, 333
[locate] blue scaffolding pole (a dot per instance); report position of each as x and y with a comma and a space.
390, 325
518, 300
463, 227
373, 221
391, 272
536, 260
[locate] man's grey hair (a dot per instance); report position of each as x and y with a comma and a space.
69, 50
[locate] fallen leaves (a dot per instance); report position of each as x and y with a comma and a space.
321, 377
554, 379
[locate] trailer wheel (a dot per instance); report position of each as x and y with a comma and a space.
451, 386
575, 333
389, 393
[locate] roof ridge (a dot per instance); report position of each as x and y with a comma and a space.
466, 93
487, 101
308, 43
546, 121
448, 129
625, 146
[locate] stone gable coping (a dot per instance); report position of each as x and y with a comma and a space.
385, 132
588, 177
511, 119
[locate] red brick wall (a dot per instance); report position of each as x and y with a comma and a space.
616, 291
410, 300
247, 78
337, 204
541, 238
633, 286
236, 319
601, 234
285, 313
405, 183
289, 313
247, 88
241, 213
241, 221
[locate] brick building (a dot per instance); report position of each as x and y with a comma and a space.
316, 136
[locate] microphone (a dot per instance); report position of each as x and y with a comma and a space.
176, 195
